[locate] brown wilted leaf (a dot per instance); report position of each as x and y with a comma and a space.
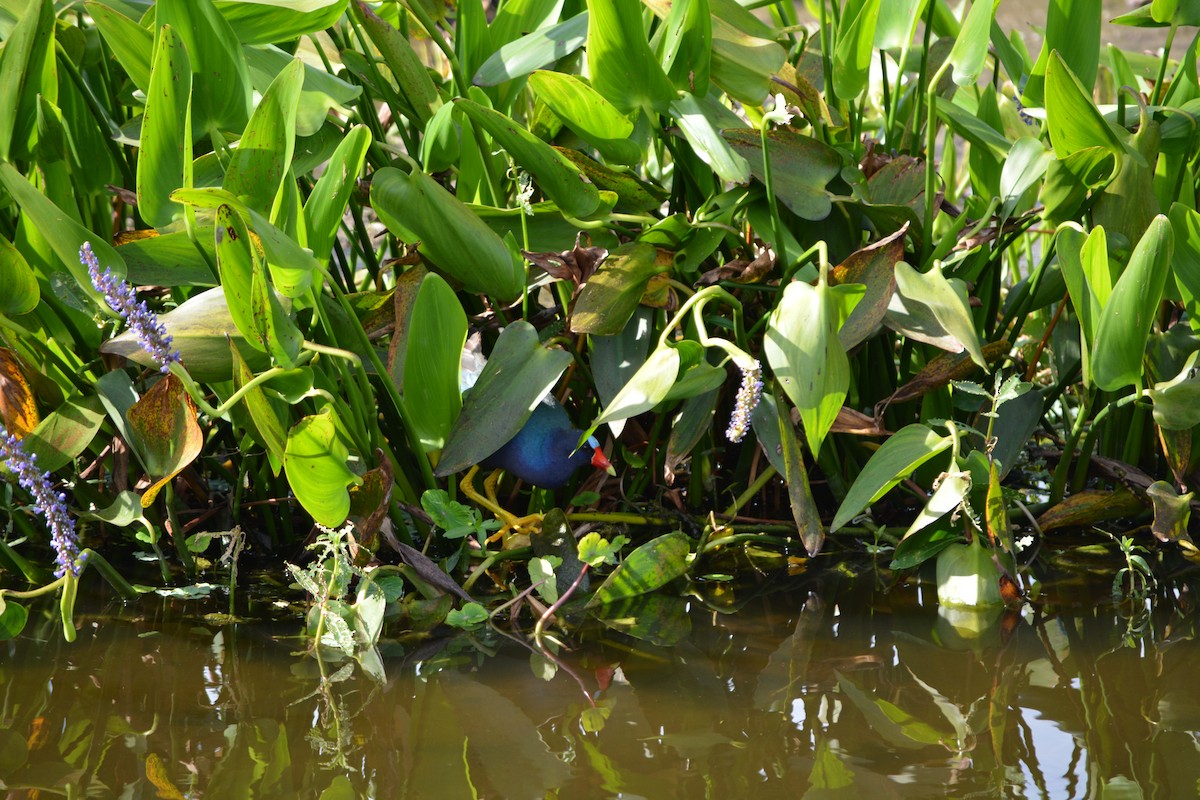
940, 371
1090, 507
163, 424
18, 411
575, 265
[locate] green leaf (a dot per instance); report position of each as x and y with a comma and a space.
1129, 314
1024, 166
533, 51
588, 114
437, 331
164, 160
806, 356
201, 329
320, 93
686, 45
172, 259
416, 208
220, 82
1185, 223
706, 140
417, 90
923, 545
804, 508
948, 495
897, 726
518, 375
852, 53
909, 448
27, 69
651, 566
897, 23
132, 44
612, 294
646, 389
327, 202
622, 67
1073, 35
66, 433
971, 45
469, 616
266, 21
264, 153
268, 422
316, 466
595, 550
541, 574
1072, 118
932, 309
801, 167
745, 53
615, 359
13, 617
64, 235
21, 293
557, 177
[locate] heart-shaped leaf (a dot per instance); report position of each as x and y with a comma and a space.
163, 428
315, 462
909, 448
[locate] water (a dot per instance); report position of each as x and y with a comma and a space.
823, 686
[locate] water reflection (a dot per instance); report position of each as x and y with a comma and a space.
826, 690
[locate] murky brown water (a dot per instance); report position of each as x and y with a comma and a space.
828, 689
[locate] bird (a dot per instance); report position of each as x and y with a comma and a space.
543, 453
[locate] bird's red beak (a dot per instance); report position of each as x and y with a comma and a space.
600, 461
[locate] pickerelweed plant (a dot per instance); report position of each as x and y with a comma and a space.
763, 258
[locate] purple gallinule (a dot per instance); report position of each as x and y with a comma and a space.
543, 453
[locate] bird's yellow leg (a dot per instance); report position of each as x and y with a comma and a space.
511, 523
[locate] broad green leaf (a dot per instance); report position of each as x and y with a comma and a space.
706, 140
220, 82
27, 70
264, 153
21, 293
685, 45
1185, 222
806, 356
971, 45
801, 167
200, 329
172, 259
969, 126
804, 508
1171, 512
1155, 14
1128, 203
557, 177
164, 160
646, 389
236, 259
619, 59
967, 576
855, 45
436, 334
13, 617
266, 21
122, 512
316, 466
948, 496
649, 567
745, 53
615, 359
268, 423
632, 193
923, 545
320, 93
1129, 314
519, 374
585, 111
64, 235
907, 449
897, 22
1024, 166
65, 433
163, 428
1072, 118
417, 91
535, 50
327, 202
1073, 35
132, 44
416, 208
932, 309
611, 295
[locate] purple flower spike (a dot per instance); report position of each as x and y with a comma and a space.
747, 398
50, 504
121, 297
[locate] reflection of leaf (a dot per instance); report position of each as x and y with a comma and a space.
897, 726
658, 619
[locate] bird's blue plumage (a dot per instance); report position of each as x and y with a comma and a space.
542, 452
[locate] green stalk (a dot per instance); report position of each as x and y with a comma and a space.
1058, 483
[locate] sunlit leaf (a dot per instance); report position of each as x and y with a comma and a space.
651, 566
163, 427
646, 389
611, 295
436, 333
907, 449
316, 466
166, 131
